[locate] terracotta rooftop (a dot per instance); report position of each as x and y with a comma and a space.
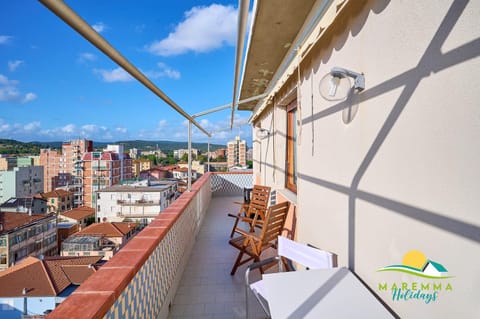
183, 169
48, 277
108, 229
79, 213
56, 193
10, 220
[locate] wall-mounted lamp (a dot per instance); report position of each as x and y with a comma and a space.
262, 133
336, 85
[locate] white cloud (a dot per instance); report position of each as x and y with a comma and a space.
203, 29
4, 127
29, 97
165, 71
121, 130
32, 127
86, 57
99, 27
10, 93
115, 75
69, 129
5, 81
13, 65
4, 39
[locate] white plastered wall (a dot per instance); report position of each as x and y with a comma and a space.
404, 174
269, 151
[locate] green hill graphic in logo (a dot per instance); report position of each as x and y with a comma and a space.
416, 263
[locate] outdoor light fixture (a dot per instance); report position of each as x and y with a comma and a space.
336, 85
262, 133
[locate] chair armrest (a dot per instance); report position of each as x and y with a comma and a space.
247, 234
237, 216
262, 263
256, 265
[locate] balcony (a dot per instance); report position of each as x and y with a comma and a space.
138, 202
177, 267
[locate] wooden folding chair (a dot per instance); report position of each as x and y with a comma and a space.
257, 206
252, 244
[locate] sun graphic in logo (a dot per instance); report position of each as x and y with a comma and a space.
415, 259
416, 263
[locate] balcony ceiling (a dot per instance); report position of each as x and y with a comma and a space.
274, 30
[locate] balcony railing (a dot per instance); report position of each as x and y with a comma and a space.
137, 202
141, 280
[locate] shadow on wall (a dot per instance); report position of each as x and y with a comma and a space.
433, 60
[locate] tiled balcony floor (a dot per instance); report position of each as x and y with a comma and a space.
207, 290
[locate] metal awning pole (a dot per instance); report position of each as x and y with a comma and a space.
189, 179
208, 155
242, 30
64, 12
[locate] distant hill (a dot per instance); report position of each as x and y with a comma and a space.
8, 146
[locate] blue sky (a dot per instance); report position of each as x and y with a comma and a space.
55, 85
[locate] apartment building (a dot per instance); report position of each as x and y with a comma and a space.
100, 239
134, 153
180, 152
23, 235
21, 182
135, 203
28, 161
182, 173
139, 165
62, 168
7, 163
58, 200
221, 152
236, 152
101, 170
83, 216
198, 166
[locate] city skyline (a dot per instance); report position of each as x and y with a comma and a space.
56, 86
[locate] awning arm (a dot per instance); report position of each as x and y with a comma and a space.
242, 27
227, 106
64, 12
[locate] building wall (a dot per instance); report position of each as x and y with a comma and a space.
395, 168
63, 233
236, 152
116, 206
28, 180
50, 160
7, 185
200, 168
35, 239
103, 173
139, 165
21, 182
7, 163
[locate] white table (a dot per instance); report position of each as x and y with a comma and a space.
324, 293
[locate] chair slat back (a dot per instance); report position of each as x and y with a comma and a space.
310, 257
260, 195
258, 203
274, 222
